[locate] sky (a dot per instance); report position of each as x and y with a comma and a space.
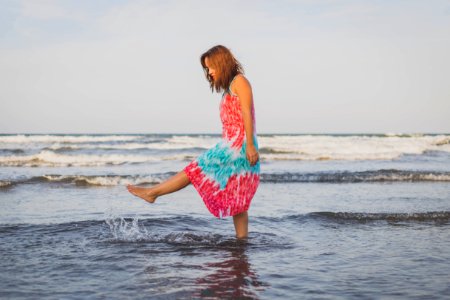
315, 66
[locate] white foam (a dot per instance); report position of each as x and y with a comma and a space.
51, 159
127, 146
23, 139
4, 183
119, 142
284, 147
105, 180
309, 147
193, 141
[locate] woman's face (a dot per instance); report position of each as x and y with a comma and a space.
211, 71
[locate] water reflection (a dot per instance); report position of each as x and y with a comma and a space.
232, 277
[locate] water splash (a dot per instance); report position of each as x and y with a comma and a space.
129, 231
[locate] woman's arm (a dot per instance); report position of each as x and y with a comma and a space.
243, 89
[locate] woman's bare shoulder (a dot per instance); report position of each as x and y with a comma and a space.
240, 83
240, 78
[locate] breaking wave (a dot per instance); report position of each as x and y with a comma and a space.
50, 148
363, 176
51, 159
320, 177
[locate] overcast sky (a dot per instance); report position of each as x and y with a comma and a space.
315, 66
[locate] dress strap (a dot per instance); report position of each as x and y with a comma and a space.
229, 87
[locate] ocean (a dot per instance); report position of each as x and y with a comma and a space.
336, 216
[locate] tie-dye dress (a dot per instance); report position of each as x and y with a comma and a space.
222, 175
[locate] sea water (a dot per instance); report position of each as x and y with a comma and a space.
335, 216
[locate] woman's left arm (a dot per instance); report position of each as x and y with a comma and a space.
243, 89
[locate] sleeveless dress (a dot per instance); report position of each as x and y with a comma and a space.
222, 175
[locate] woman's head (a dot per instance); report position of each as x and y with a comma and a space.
220, 67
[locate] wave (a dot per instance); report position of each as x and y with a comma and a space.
325, 217
90, 180
106, 180
383, 175
435, 216
11, 151
127, 146
50, 138
322, 177
272, 147
160, 141
268, 150
353, 152
47, 158
350, 147
51, 159
443, 141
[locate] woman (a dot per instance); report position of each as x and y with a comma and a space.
227, 175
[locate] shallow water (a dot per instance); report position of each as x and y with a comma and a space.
372, 228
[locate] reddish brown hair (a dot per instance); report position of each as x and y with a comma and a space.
224, 63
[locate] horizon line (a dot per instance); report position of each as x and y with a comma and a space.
209, 133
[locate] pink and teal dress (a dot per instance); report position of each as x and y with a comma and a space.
222, 175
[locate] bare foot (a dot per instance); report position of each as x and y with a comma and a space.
144, 193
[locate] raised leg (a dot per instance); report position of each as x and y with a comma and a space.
241, 225
173, 184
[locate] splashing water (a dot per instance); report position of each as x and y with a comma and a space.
128, 231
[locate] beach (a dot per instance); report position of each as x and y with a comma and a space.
336, 216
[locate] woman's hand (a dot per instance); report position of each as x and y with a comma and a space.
252, 154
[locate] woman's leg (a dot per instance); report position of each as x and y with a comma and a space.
241, 225
173, 184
